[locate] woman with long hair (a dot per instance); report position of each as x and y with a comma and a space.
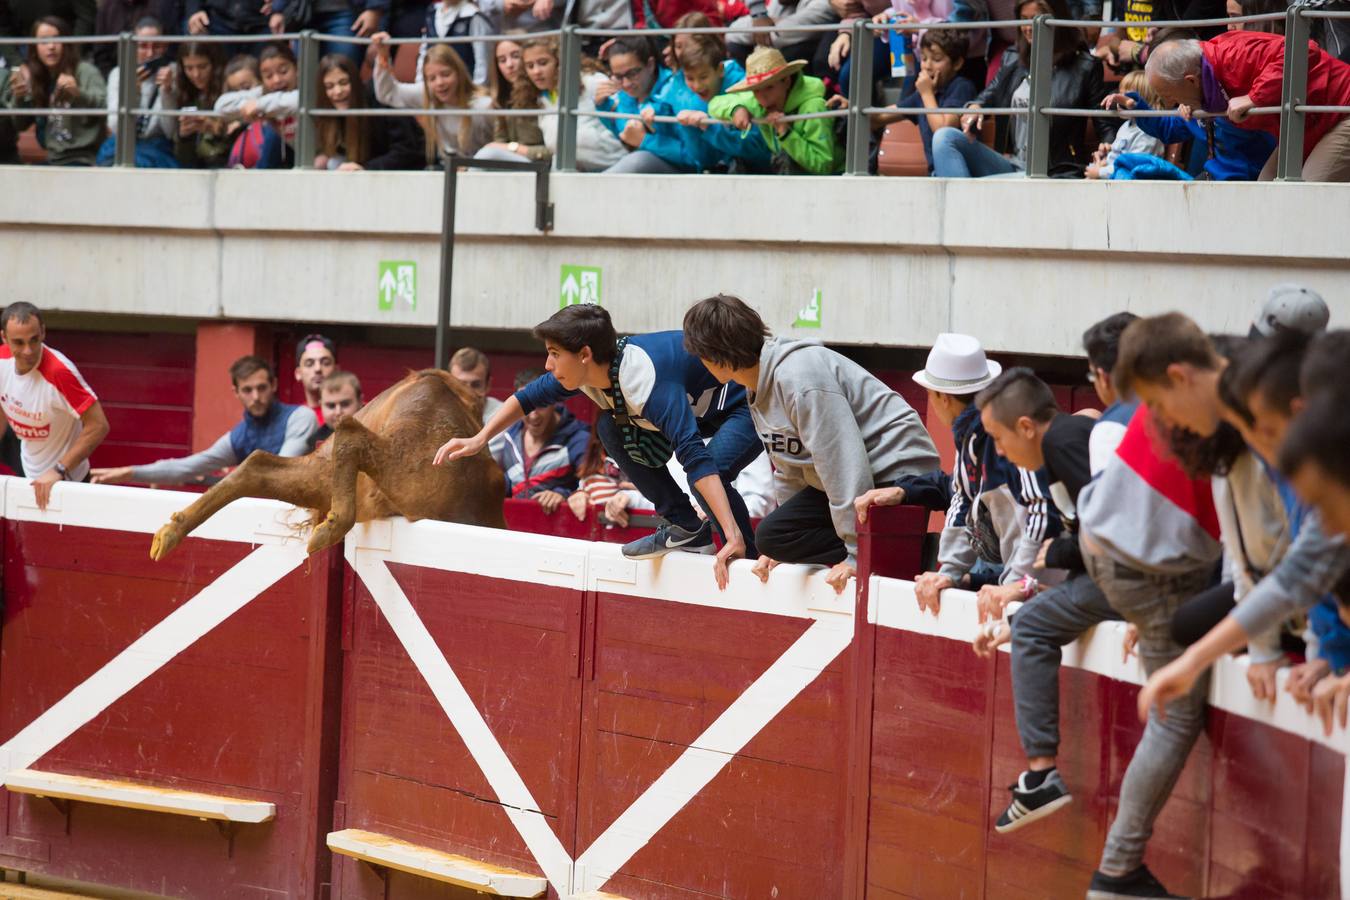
353, 143
523, 137
445, 85
504, 72
1076, 83
55, 77
199, 80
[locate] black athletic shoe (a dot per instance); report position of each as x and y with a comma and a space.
1139, 883
1029, 804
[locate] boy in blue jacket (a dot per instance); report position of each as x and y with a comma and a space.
656, 400
712, 146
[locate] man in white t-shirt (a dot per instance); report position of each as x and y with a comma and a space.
51, 408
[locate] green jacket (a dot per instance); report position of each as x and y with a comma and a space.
809, 144
74, 140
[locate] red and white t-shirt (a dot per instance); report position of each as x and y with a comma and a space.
44, 408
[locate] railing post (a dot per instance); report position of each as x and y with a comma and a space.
569, 91
129, 97
447, 261
1042, 71
1293, 92
859, 141
306, 139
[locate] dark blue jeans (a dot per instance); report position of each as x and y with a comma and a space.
734, 446
339, 23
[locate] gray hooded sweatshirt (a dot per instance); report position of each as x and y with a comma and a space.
828, 423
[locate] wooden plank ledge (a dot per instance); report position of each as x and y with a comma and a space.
131, 795
383, 850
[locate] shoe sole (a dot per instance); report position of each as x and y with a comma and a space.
1036, 815
702, 549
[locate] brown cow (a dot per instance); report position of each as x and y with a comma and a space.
376, 464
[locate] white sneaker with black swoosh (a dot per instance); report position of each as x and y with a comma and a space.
668, 538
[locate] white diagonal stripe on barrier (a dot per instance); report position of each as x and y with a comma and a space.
746, 717
216, 602
517, 802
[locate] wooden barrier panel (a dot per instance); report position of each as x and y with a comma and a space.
211, 673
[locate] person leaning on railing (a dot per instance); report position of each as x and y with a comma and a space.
639, 84
1239, 71
154, 72
1076, 83
55, 76
353, 143
774, 88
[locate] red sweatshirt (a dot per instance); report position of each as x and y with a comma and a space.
1251, 63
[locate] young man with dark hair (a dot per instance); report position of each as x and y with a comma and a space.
656, 400
1268, 383
315, 360
1101, 342
1019, 413
540, 454
47, 403
832, 430
267, 424
340, 397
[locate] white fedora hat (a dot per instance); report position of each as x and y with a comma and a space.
957, 365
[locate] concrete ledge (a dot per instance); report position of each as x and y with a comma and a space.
1025, 265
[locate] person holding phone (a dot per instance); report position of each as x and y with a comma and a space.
155, 72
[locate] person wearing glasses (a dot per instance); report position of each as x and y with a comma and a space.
638, 86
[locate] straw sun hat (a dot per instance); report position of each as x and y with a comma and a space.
765, 66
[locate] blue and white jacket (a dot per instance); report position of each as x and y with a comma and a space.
664, 139
665, 388
554, 467
999, 513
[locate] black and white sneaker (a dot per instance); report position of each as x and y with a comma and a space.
668, 538
1032, 803
1139, 883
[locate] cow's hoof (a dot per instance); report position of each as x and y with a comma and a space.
327, 533
166, 539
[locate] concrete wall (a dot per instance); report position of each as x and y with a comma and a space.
1024, 265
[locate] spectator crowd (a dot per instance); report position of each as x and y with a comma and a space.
741, 102
1206, 505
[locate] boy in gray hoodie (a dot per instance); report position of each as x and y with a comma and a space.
832, 430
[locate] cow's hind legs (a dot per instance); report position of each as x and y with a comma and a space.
354, 447
293, 480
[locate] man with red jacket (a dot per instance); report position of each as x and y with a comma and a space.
1239, 71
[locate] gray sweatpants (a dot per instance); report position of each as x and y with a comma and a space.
1040, 629
1148, 602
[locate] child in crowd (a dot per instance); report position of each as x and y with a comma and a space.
445, 85
1131, 138
154, 74
267, 110
199, 142
506, 68
54, 77
1231, 153
516, 138
638, 84
711, 145
656, 400
460, 18
833, 431
998, 515
353, 143
774, 88
941, 84
599, 480
542, 452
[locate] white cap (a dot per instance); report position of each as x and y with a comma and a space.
957, 365
1291, 307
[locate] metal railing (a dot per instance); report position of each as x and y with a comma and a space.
858, 112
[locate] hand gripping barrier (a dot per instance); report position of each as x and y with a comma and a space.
531, 715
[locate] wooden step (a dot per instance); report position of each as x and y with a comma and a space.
131, 795
383, 850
